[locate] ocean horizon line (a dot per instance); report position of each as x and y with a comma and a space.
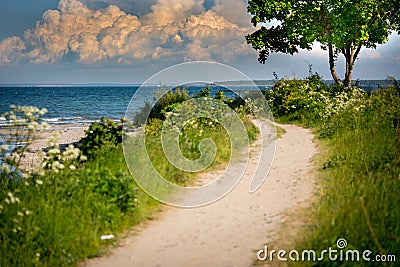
233, 82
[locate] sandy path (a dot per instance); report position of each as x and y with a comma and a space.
230, 231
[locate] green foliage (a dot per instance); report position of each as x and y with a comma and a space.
342, 27
360, 192
164, 101
190, 136
101, 133
56, 217
172, 97
205, 92
358, 196
297, 99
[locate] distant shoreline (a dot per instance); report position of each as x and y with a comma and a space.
382, 82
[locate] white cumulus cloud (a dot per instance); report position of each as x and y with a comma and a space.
178, 30
233, 10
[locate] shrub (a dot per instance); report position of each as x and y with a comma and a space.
101, 133
168, 98
297, 99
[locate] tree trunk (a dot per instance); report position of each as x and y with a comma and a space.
332, 65
350, 54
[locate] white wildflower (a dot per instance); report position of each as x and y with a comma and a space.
43, 111
4, 148
56, 164
72, 167
12, 198
45, 126
5, 168
54, 151
39, 182
31, 127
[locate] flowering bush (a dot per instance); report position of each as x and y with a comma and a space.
39, 205
56, 160
23, 126
296, 99
352, 97
310, 101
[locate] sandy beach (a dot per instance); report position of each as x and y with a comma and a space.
230, 231
68, 134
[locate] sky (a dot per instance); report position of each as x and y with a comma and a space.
127, 41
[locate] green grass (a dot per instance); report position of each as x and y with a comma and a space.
70, 211
359, 198
359, 180
279, 132
58, 219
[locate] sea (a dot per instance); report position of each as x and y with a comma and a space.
69, 104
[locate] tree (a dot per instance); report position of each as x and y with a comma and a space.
342, 27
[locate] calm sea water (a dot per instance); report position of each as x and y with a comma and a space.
70, 104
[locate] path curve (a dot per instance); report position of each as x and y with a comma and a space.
230, 231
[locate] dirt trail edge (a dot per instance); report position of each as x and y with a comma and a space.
230, 231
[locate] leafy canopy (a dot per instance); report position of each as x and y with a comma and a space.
341, 26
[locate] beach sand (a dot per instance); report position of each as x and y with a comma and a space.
68, 134
230, 231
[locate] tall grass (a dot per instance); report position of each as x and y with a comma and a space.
359, 183
56, 217
59, 218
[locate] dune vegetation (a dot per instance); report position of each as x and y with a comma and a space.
78, 200
358, 184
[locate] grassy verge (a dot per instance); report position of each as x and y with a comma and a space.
358, 197
59, 218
